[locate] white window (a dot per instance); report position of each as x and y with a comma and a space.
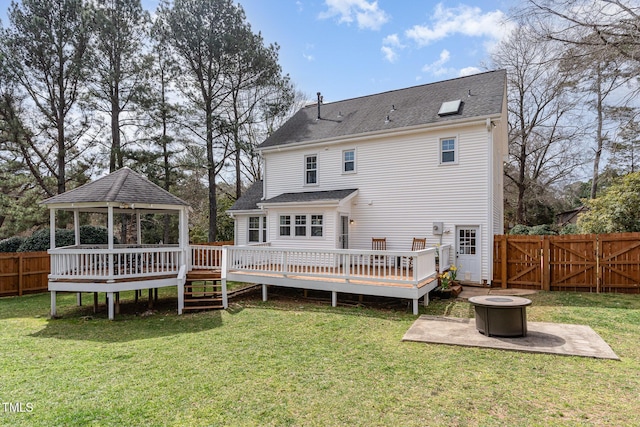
257, 229
264, 229
311, 169
349, 161
285, 225
448, 151
316, 225
303, 226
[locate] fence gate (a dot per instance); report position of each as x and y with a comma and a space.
572, 263
619, 262
585, 263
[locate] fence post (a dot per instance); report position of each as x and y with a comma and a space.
503, 264
598, 272
546, 263
20, 273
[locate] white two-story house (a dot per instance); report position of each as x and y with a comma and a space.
423, 162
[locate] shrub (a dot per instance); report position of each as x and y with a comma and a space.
617, 210
39, 241
545, 229
570, 229
92, 235
11, 244
89, 235
520, 230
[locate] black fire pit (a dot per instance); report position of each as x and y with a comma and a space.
501, 316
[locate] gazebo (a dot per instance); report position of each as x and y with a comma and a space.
113, 268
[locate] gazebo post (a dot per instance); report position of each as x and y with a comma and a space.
52, 228
110, 243
138, 228
52, 245
53, 304
76, 232
110, 304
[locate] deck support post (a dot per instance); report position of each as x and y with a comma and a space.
53, 304
150, 302
415, 306
225, 300
264, 292
79, 299
334, 299
180, 297
110, 305
426, 299
95, 302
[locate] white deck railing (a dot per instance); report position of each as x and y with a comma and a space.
403, 267
97, 262
444, 258
205, 257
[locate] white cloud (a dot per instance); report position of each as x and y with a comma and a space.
389, 54
392, 40
468, 71
463, 19
367, 14
390, 46
437, 67
308, 57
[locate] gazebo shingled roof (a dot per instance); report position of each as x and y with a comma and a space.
121, 186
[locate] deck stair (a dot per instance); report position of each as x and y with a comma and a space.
203, 290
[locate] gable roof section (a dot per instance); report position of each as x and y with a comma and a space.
481, 95
121, 186
249, 199
311, 196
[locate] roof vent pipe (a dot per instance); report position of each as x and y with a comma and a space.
319, 102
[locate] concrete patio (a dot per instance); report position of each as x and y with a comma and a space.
542, 337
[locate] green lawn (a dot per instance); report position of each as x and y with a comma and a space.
300, 362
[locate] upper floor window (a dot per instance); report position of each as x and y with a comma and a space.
349, 161
448, 151
311, 169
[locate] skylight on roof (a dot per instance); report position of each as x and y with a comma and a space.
450, 107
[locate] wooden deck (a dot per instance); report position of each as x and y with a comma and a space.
340, 285
363, 281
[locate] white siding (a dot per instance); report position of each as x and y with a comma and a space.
241, 231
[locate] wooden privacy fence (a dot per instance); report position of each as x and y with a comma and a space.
23, 272
585, 263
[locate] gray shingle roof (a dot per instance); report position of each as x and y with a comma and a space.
249, 199
121, 186
311, 196
481, 95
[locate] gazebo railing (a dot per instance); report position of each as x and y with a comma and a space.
96, 262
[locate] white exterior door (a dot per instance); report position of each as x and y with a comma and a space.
468, 258
343, 236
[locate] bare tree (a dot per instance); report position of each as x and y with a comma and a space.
543, 132
610, 27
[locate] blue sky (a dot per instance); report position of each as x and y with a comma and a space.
350, 48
